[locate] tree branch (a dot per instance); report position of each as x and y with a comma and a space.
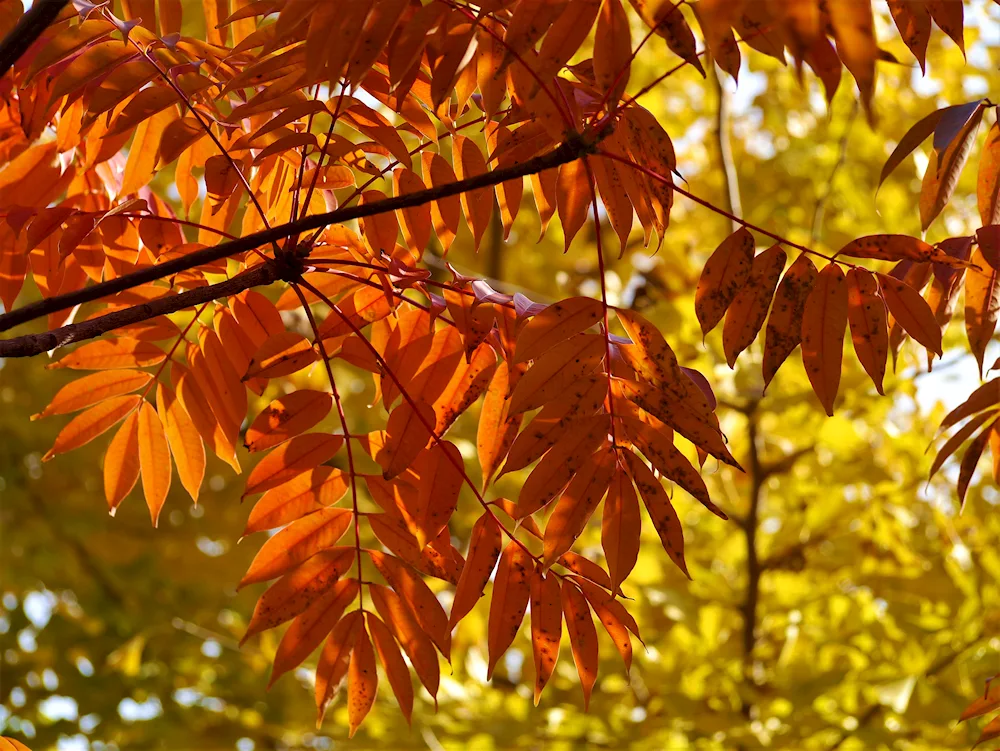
723, 115
34, 344
574, 147
30, 26
754, 569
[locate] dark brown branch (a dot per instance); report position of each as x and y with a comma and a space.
30, 26
754, 570
576, 145
34, 344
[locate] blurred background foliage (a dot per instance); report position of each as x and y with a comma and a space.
846, 605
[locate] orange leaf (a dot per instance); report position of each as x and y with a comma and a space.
154, 459
121, 463
784, 327
362, 680
566, 36
982, 304
297, 542
286, 417
530, 20
824, 320
298, 589
478, 203
701, 430
511, 589
658, 447
554, 372
144, 151
92, 389
971, 460
311, 627
561, 463
869, 330
416, 220
335, 660
898, 248
914, 24
586, 569
392, 663
582, 637
307, 492
615, 619
399, 618
725, 274
555, 324
612, 52
445, 212
86, 426
291, 458
546, 627
215, 367
621, 528
418, 598
577, 504
484, 550
661, 512
748, 310
407, 434
960, 437
652, 359
215, 435
281, 354
365, 306
944, 169
989, 701
185, 442
438, 558
950, 19
106, 354
555, 420
437, 476
572, 198
666, 18
990, 731
614, 195
465, 386
853, 24
911, 311
379, 230
988, 181
497, 429
922, 130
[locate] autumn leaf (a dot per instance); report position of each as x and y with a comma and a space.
726, 272
511, 590
866, 314
824, 320
748, 310
546, 627
286, 417
582, 636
